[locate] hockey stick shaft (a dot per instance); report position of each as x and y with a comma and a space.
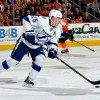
92, 82
84, 45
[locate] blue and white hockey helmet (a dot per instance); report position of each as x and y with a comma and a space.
55, 13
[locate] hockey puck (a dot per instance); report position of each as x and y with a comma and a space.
97, 86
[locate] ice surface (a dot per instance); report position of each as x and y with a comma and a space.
56, 81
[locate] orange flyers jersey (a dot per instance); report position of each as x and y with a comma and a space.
64, 25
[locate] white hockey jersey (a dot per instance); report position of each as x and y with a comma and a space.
39, 28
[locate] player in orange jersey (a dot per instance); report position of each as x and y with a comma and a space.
65, 35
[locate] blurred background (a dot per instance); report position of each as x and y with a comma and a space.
74, 11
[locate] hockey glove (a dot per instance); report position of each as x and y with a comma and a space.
71, 37
52, 53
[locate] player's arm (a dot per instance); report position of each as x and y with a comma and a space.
52, 48
70, 34
29, 23
52, 44
66, 35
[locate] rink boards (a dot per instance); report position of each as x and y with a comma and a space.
85, 33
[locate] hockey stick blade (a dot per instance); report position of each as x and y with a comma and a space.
92, 82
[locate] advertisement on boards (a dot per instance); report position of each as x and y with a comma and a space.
86, 31
81, 31
9, 35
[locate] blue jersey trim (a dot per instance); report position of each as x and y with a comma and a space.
36, 67
27, 19
30, 31
5, 65
49, 43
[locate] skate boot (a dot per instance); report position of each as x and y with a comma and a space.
65, 51
28, 82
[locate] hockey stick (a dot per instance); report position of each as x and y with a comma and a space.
84, 45
92, 82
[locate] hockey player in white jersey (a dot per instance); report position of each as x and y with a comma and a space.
36, 29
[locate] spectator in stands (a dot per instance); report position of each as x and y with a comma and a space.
63, 8
70, 6
1, 7
82, 4
56, 4
6, 6
9, 2
70, 16
44, 12
18, 5
1, 19
33, 10
7, 21
48, 5
18, 18
95, 5
79, 19
39, 2
8, 13
86, 17
90, 9
77, 12
37, 13
42, 7
33, 4
28, 12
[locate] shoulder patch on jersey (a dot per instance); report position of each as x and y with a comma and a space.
34, 19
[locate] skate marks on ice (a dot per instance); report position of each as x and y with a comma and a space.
50, 90
73, 55
82, 52
81, 55
53, 91
5, 81
13, 85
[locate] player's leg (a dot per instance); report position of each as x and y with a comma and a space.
62, 41
65, 48
38, 60
18, 52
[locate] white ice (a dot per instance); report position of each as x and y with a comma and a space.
56, 81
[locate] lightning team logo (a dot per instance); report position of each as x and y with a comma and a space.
46, 35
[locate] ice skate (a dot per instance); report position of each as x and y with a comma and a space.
65, 51
28, 82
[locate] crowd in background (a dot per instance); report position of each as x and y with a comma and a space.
79, 12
